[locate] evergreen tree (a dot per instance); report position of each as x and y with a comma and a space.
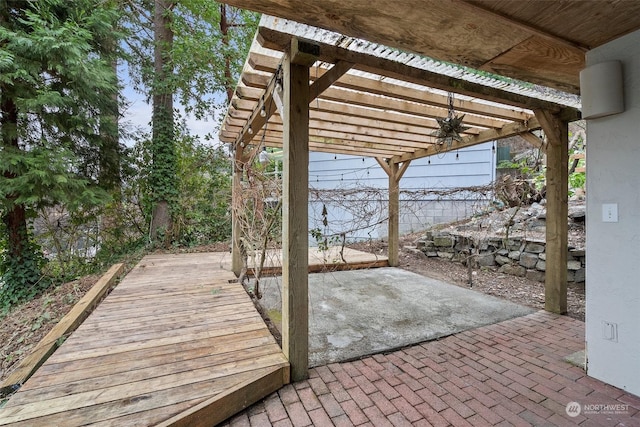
53, 85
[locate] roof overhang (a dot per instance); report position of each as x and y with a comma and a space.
542, 42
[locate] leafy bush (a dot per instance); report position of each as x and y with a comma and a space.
20, 278
201, 212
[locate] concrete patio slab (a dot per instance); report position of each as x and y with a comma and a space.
357, 313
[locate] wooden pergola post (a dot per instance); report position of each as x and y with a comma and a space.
236, 196
295, 226
395, 171
557, 132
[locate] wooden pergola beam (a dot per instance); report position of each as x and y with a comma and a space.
378, 86
334, 112
534, 140
331, 120
557, 132
393, 144
264, 110
382, 103
366, 135
277, 40
342, 110
507, 130
327, 145
261, 114
329, 78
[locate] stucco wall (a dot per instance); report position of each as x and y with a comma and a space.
613, 248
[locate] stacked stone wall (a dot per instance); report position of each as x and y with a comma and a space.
516, 256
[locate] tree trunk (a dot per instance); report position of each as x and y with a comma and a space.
15, 218
163, 145
224, 29
109, 177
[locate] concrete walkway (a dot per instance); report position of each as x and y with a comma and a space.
511, 373
361, 312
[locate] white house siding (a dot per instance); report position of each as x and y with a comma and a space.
362, 215
613, 255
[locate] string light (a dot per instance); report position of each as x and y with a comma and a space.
263, 112
353, 172
457, 155
263, 157
250, 130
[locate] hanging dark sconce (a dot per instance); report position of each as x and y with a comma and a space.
451, 127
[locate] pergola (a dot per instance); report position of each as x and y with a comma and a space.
307, 89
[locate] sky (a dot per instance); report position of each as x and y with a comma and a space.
138, 113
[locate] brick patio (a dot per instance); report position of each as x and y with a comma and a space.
510, 373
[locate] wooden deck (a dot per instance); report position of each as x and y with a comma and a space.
175, 343
322, 260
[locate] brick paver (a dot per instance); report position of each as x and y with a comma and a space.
510, 373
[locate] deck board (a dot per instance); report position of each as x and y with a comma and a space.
319, 260
176, 333
177, 342
322, 260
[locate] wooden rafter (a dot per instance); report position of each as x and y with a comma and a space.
259, 116
355, 138
349, 133
333, 119
340, 112
333, 145
381, 102
378, 86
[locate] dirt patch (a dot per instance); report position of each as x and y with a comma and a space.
23, 328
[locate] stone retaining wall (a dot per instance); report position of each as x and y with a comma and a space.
516, 256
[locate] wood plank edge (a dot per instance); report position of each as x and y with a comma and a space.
66, 325
222, 406
321, 268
